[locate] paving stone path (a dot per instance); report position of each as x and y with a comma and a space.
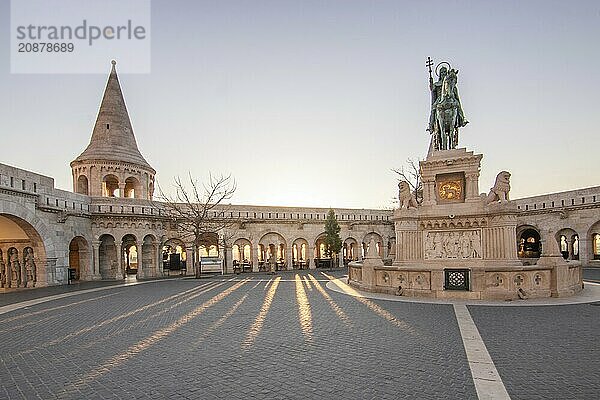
284, 336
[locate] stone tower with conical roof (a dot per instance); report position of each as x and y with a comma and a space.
112, 165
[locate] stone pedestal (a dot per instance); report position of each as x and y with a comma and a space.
460, 244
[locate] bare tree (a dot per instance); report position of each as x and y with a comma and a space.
411, 173
199, 212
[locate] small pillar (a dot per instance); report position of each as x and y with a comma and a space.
189, 261
254, 255
371, 261
228, 262
119, 271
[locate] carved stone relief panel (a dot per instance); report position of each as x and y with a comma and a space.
383, 278
420, 280
458, 244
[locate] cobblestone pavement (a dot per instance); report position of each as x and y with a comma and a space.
283, 336
544, 352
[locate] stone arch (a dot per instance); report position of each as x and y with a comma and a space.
110, 186
80, 257
82, 185
209, 245
242, 250
529, 244
108, 263
319, 247
593, 237
133, 188
174, 254
565, 239
300, 253
273, 246
34, 234
130, 254
350, 249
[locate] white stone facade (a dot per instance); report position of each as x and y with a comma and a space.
110, 225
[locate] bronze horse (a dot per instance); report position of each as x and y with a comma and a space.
446, 111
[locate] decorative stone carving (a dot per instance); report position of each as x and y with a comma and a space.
372, 250
500, 190
14, 267
2, 271
452, 245
30, 269
407, 199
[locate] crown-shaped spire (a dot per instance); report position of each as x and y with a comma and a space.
113, 138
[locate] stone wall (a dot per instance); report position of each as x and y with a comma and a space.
53, 218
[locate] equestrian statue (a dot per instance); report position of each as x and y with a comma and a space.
446, 111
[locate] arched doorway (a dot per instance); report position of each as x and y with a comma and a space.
174, 256
242, 255
209, 245
529, 245
22, 253
350, 250
273, 247
300, 256
79, 257
210, 253
107, 261
322, 259
130, 254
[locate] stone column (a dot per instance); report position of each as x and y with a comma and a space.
310, 257
585, 253
159, 264
121, 190
289, 257
228, 262
119, 272
141, 266
96, 259
472, 187
383, 246
190, 261
429, 192
254, 254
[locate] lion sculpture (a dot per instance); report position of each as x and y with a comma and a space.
500, 190
407, 199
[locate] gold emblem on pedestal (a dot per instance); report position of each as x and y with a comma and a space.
451, 190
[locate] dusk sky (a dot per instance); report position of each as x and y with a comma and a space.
312, 103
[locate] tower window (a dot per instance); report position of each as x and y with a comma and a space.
107, 126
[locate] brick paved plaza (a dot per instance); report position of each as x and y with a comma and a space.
283, 336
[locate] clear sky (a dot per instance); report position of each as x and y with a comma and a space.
312, 103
